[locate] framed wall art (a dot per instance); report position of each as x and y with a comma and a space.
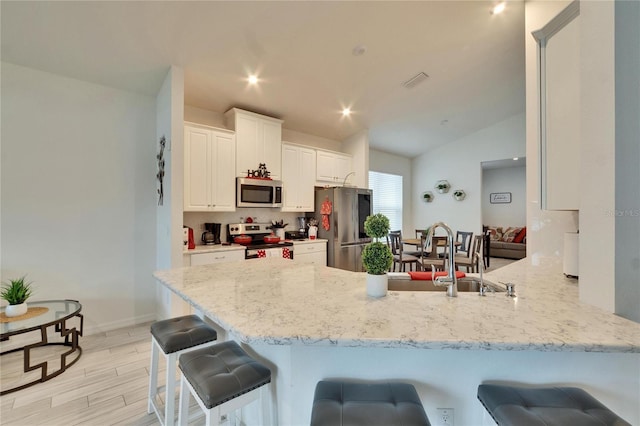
500, 197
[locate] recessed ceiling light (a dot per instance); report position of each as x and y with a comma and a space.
499, 8
346, 112
515, 158
253, 79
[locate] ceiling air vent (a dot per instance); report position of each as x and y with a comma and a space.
415, 80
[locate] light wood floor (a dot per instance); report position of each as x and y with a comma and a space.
107, 386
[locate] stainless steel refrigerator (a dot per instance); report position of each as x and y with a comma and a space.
349, 209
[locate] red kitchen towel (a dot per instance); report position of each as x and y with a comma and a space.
426, 276
325, 210
262, 253
286, 253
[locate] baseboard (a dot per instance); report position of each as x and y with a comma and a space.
121, 323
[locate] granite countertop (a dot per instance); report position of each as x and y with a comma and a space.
283, 302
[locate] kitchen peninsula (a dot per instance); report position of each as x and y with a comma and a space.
311, 322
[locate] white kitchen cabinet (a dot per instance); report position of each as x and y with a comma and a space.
332, 166
216, 257
310, 252
258, 140
298, 178
209, 173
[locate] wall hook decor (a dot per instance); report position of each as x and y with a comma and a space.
442, 186
427, 197
160, 174
459, 194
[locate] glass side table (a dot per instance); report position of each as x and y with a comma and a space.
57, 314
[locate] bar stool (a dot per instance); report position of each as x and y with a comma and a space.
222, 378
173, 337
557, 406
337, 403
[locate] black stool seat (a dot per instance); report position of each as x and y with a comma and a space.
221, 372
176, 334
383, 404
557, 406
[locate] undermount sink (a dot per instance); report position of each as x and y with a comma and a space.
400, 281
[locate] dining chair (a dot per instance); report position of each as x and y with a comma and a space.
418, 252
394, 239
470, 261
429, 255
465, 239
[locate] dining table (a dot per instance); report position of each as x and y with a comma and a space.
418, 242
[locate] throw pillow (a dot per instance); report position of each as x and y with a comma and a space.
495, 233
509, 234
520, 238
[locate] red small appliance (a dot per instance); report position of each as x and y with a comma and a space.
187, 237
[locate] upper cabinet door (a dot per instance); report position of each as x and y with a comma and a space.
209, 169
224, 177
298, 178
332, 167
559, 81
258, 140
197, 178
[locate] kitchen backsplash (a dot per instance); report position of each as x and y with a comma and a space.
196, 220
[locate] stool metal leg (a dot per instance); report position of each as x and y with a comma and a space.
170, 390
153, 379
185, 396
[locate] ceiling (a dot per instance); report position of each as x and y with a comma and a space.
302, 52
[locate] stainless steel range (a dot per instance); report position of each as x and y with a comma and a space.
258, 248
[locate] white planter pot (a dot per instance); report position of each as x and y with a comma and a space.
16, 310
280, 233
377, 285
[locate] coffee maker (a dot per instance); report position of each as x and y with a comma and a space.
303, 225
212, 233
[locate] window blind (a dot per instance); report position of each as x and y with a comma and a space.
387, 197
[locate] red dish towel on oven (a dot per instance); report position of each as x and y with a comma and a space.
262, 253
325, 210
286, 253
426, 276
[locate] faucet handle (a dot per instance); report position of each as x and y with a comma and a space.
511, 289
433, 273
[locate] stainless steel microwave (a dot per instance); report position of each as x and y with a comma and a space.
257, 192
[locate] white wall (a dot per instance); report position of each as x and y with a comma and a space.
508, 179
545, 229
358, 146
394, 164
78, 194
459, 163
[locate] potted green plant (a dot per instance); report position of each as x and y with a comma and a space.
459, 194
376, 256
16, 292
442, 186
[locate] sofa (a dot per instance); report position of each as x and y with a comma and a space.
506, 242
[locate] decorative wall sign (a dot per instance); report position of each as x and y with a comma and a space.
261, 172
160, 174
500, 197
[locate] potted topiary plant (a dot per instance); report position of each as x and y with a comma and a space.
376, 256
16, 293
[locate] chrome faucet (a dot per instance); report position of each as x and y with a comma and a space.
477, 257
450, 280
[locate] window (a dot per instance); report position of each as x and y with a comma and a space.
387, 197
